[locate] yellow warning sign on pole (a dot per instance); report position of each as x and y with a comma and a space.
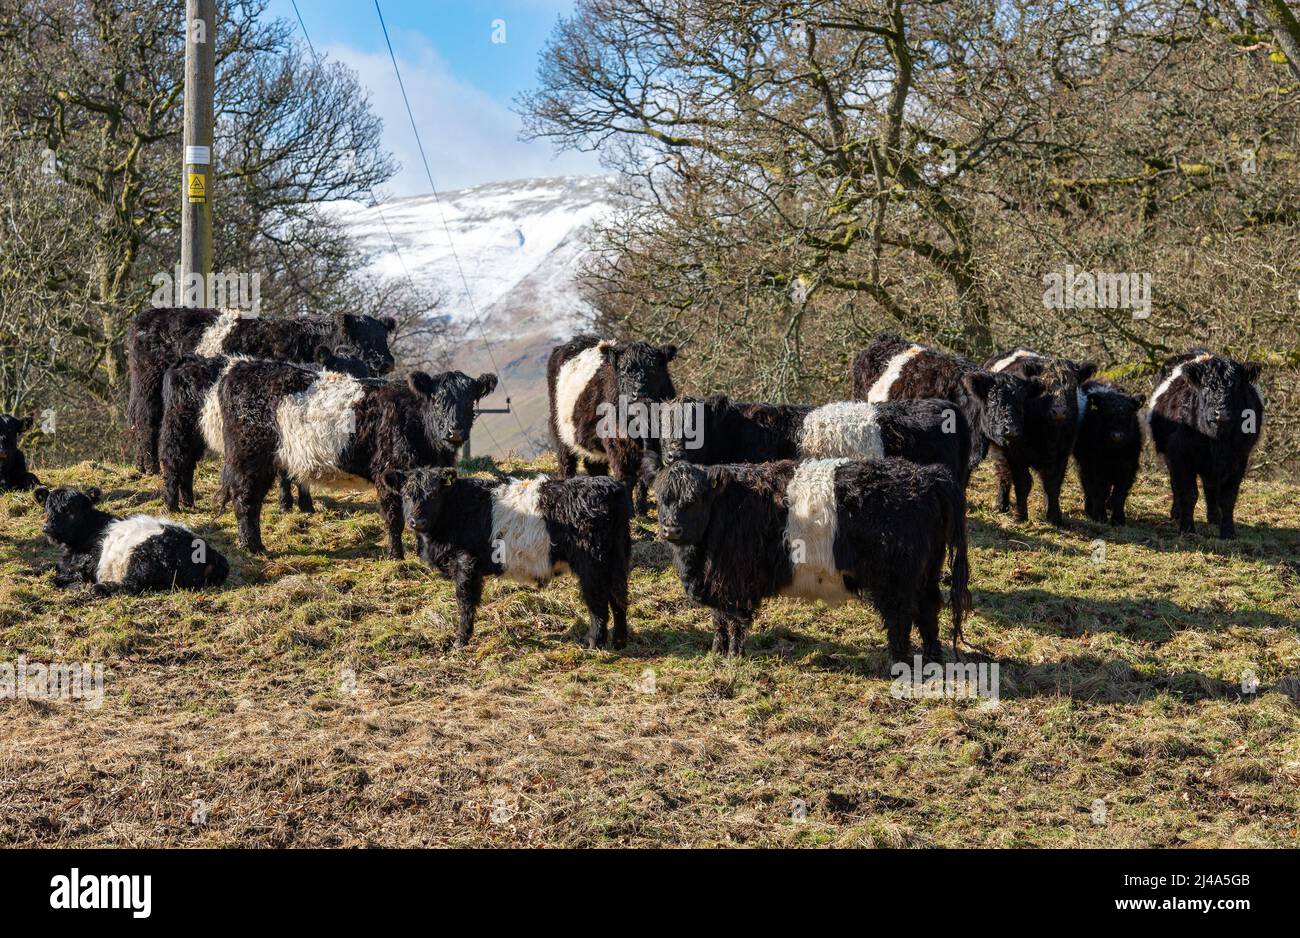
198, 188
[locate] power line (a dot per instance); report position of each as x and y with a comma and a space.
442, 339
437, 201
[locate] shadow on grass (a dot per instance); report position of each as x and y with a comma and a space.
1146, 619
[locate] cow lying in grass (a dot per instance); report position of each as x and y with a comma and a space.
923, 432
1206, 415
160, 337
819, 529
1108, 449
14, 476
526, 530
191, 424
588, 381
338, 430
892, 368
127, 555
1051, 424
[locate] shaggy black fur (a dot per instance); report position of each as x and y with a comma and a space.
1051, 424
397, 425
163, 562
636, 371
588, 522
13, 464
924, 432
1205, 426
896, 522
1108, 449
993, 404
180, 438
160, 337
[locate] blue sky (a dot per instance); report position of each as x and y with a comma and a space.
460, 82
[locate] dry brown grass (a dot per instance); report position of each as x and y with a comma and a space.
1120, 682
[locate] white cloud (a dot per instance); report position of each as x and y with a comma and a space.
469, 137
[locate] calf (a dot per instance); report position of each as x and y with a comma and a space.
993, 403
191, 424
1205, 415
338, 430
819, 529
589, 381
1051, 424
160, 337
13, 464
923, 432
1108, 449
526, 530
127, 555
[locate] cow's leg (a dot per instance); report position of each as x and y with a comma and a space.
469, 590
618, 605
1118, 498
390, 509
305, 504
1182, 483
1003, 473
595, 595
286, 493
721, 631
249, 491
739, 632
1094, 497
1212, 507
898, 629
144, 410
1053, 479
928, 607
1023, 481
1228, 505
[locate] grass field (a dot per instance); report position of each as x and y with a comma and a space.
316, 702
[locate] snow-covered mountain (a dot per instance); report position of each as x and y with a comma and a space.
519, 245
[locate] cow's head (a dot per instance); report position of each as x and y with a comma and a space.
366, 338
1004, 398
69, 513
684, 494
641, 370
10, 429
1058, 403
1222, 387
678, 434
449, 401
1116, 413
344, 360
423, 492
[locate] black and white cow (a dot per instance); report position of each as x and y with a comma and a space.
127, 555
334, 429
191, 424
1108, 449
588, 380
892, 368
822, 529
923, 431
1051, 424
526, 530
13, 464
160, 337
1205, 415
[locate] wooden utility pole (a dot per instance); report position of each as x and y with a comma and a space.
196, 186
